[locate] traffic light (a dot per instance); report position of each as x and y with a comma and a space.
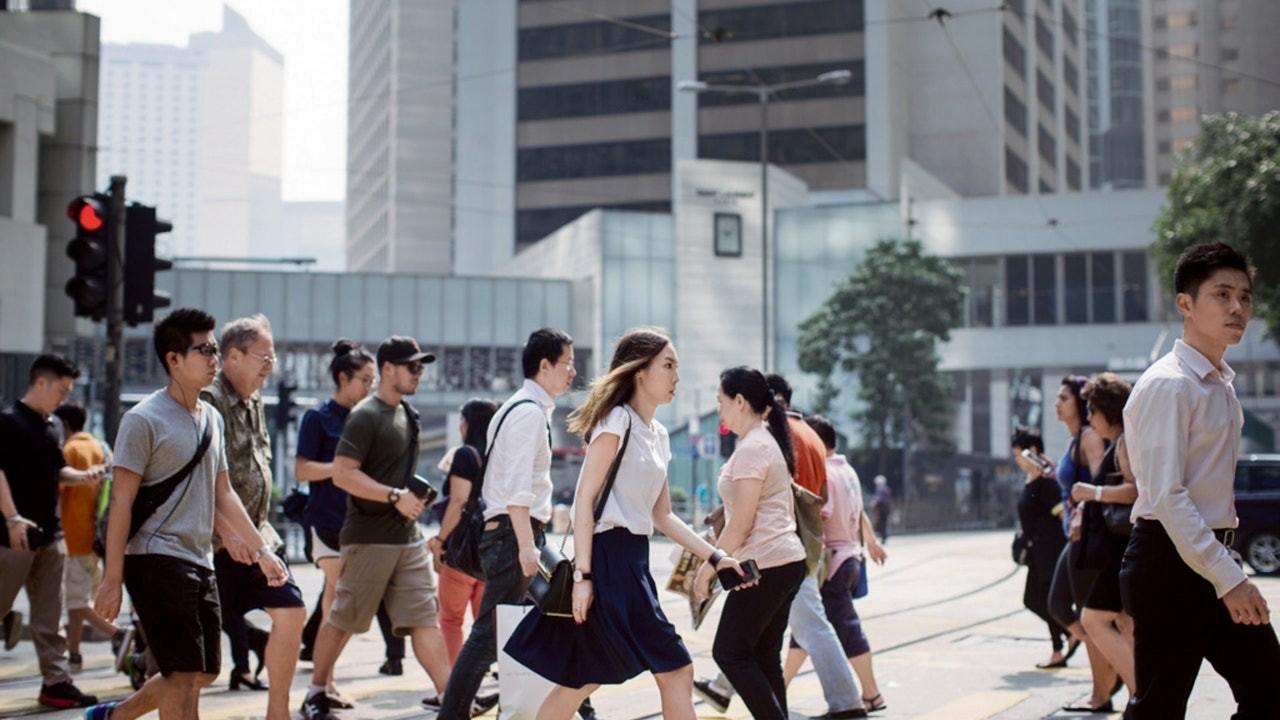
284, 404
141, 264
728, 441
90, 249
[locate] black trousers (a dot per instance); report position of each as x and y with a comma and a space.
748, 644
1178, 622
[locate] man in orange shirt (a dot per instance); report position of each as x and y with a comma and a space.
79, 510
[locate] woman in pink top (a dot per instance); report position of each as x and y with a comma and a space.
760, 525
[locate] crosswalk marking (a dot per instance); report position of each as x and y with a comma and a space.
977, 706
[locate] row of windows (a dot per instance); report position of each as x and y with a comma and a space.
1055, 288
1015, 54
590, 38
793, 19
533, 225
547, 102
632, 157
789, 147
856, 87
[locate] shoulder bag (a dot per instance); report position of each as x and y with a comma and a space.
462, 547
551, 588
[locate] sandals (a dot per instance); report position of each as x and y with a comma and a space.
1105, 707
875, 704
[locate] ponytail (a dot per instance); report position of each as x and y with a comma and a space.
752, 386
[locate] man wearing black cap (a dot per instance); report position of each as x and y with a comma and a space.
384, 556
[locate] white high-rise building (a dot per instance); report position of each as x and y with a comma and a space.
198, 130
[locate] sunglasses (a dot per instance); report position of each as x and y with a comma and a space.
208, 349
416, 367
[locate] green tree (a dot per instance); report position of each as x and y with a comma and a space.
1226, 187
883, 324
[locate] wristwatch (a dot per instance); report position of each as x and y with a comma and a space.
579, 576
1097, 493
264, 550
393, 495
14, 520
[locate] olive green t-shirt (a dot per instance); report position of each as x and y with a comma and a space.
377, 436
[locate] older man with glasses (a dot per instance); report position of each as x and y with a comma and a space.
248, 358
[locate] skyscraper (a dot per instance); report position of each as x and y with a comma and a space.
1117, 63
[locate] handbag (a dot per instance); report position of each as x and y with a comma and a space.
1020, 548
462, 547
1116, 515
294, 506
551, 588
808, 509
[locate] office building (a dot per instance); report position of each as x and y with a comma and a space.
1117, 68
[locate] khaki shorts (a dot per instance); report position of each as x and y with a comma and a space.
81, 576
400, 575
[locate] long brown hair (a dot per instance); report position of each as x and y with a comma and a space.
635, 351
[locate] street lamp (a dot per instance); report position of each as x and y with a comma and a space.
763, 93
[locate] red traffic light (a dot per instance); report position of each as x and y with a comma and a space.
87, 213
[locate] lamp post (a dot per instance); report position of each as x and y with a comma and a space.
763, 94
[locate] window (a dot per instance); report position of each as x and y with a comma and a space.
1133, 289
1048, 147
1017, 281
1073, 175
1017, 7
632, 157
1258, 478
1162, 116
1103, 287
1044, 92
1164, 146
1075, 290
1185, 114
795, 19
1044, 36
591, 38
1230, 54
1162, 85
772, 75
1182, 20
788, 147
1045, 283
1015, 54
595, 98
1045, 188
984, 284
1161, 22
980, 410
1184, 82
1070, 76
1015, 112
728, 235
1182, 144
1180, 52
1072, 122
1015, 170
1069, 27
535, 224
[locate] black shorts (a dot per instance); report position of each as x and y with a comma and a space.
243, 587
177, 604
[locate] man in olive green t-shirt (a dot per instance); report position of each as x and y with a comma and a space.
384, 557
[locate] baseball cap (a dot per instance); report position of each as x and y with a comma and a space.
401, 349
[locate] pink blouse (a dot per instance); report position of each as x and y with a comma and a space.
842, 515
772, 540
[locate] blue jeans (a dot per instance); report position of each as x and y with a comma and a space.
504, 584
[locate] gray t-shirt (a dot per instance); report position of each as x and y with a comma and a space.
157, 438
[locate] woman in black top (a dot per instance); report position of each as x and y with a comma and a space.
1114, 492
1040, 514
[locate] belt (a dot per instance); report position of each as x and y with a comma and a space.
1226, 536
505, 519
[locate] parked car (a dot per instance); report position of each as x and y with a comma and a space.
1258, 507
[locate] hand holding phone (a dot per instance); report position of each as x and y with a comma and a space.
730, 579
421, 487
1045, 464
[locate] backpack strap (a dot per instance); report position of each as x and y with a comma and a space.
612, 475
411, 416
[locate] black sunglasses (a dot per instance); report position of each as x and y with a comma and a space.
207, 349
416, 367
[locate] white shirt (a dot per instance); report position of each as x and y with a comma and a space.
641, 474
519, 469
1182, 425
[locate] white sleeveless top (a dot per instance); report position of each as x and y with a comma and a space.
641, 474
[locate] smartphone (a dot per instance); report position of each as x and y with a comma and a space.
1045, 465
730, 579
419, 486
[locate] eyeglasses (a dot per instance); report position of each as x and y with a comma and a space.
266, 359
208, 349
416, 367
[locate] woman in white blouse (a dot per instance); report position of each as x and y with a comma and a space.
618, 629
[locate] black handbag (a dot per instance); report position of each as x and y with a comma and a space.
1020, 548
462, 547
551, 588
1116, 515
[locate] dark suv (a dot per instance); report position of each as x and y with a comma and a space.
1258, 507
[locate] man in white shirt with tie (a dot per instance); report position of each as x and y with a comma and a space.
516, 489
1188, 595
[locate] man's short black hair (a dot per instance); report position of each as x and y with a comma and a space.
54, 366
1198, 262
779, 386
1027, 438
72, 417
173, 333
824, 429
544, 344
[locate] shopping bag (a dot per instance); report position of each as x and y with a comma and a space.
520, 690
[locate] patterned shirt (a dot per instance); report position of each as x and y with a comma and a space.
248, 452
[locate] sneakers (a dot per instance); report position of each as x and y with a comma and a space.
479, 706
12, 629
393, 666
100, 712
65, 695
709, 692
316, 707
842, 714
76, 661
135, 666
121, 645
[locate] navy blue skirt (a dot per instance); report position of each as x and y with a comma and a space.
626, 632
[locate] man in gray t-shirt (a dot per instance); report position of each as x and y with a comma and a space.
166, 564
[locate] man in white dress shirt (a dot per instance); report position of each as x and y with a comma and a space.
516, 489
1186, 591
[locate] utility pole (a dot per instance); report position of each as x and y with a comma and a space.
114, 384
